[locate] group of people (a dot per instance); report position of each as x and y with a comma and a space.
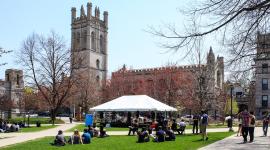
76, 138
14, 127
247, 122
166, 129
160, 136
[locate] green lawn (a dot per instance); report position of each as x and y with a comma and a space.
81, 127
184, 142
35, 129
35, 119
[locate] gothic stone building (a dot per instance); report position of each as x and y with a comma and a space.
174, 85
262, 63
89, 43
12, 87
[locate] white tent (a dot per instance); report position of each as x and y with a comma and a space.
133, 103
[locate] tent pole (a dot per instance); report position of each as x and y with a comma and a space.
155, 115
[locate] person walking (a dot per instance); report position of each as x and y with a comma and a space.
265, 124
252, 127
245, 124
239, 125
204, 124
195, 124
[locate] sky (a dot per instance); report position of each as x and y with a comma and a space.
129, 43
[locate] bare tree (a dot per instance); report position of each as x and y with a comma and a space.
2, 52
235, 22
47, 64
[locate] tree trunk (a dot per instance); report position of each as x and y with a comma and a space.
53, 116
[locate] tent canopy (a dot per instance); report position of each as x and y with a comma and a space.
133, 103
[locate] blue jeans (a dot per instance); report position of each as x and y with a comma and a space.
265, 128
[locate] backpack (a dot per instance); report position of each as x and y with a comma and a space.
204, 119
252, 122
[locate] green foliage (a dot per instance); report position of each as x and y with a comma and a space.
228, 107
183, 142
34, 120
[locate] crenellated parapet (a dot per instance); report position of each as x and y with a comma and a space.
84, 17
159, 69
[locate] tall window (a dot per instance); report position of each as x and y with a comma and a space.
7, 77
18, 79
101, 42
84, 38
78, 39
265, 101
218, 79
97, 79
93, 44
264, 68
97, 64
264, 84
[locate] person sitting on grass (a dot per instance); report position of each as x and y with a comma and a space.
59, 139
102, 132
90, 131
95, 131
143, 136
160, 135
170, 136
86, 137
182, 128
75, 138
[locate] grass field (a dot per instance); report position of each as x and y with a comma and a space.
80, 127
35, 129
183, 142
34, 120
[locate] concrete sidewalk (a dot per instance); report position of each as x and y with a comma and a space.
14, 138
236, 143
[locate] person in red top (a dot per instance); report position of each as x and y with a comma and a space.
245, 124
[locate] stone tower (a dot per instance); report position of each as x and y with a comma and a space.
89, 43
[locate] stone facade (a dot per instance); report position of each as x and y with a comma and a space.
262, 63
12, 86
89, 43
181, 78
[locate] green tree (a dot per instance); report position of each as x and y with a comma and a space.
228, 107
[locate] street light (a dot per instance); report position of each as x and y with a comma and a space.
231, 125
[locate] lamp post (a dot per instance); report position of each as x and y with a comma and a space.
231, 125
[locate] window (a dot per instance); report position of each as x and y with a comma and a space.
97, 64
265, 101
218, 79
264, 68
7, 77
18, 79
78, 39
101, 44
93, 45
84, 38
97, 79
264, 84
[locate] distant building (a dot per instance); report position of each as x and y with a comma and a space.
12, 87
176, 79
262, 63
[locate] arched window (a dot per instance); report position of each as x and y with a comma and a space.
97, 78
84, 38
93, 45
78, 39
218, 78
97, 64
101, 42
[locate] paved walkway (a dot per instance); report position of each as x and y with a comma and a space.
236, 143
14, 138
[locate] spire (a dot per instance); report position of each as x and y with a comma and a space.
105, 18
211, 51
89, 10
73, 14
82, 12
